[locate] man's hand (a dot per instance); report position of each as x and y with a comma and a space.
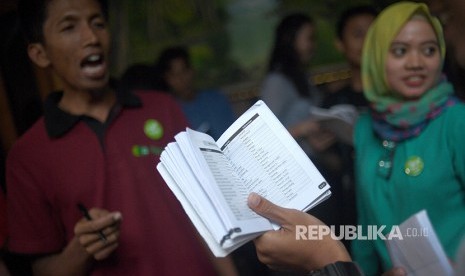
321, 140
87, 232
281, 250
318, 138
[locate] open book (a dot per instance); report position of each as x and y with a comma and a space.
338, 119
419, 251
212, 179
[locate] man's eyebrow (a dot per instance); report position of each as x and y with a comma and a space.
97, 15
66, 18
72, 17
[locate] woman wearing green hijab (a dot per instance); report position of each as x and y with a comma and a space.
410, 153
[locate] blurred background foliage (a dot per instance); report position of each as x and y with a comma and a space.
229, 40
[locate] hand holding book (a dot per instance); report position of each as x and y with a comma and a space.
212, 179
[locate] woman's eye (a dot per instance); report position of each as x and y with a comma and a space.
430, 51
398, 51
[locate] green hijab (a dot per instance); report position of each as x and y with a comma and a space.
387, 105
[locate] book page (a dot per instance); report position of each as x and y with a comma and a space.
197, 203
419, 251
269, 160
185, 179
195, 217
221, 184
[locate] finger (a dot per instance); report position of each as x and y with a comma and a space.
267, 209
105, 252
100, 245
97, 224
86, 239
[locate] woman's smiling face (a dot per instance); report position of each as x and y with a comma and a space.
413, 63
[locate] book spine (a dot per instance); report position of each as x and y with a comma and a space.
229, 234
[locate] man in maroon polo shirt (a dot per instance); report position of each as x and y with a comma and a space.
96, 148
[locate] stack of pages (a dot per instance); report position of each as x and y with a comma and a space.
212, 179
419, 251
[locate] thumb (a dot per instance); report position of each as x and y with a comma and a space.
266, 209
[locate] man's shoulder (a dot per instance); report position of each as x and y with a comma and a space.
34, 138
159, 105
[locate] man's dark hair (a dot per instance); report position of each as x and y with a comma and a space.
170, 54
351, 13
32, 15
163, 64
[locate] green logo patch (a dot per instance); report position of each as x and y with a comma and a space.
414, 166
153, 129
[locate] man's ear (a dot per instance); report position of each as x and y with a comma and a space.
38, 55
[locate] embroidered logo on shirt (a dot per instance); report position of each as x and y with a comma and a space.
414, 166
141, 150
153, 129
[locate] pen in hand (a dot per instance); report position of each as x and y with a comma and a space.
86, 214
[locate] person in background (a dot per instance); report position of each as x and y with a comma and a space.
95, 147
286, 88
452, 17
290, 95
208, 110
138, 76
414, 124
351, 29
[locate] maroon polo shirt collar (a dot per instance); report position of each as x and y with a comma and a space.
58, 122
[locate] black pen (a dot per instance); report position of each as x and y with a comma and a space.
86, 214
